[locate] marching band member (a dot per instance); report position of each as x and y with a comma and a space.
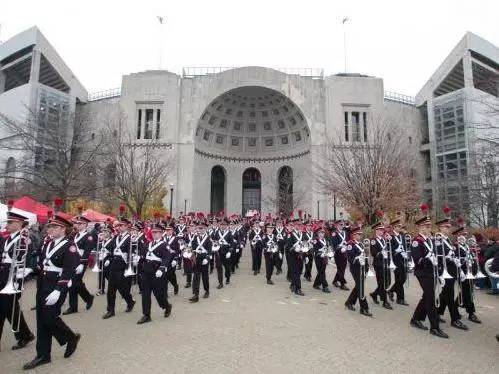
380, 264
85, 244
255, 237
138, 238
270, 249
444, 247
422, 253
106, 237
358, 268
157, 261
339, 238
188, 262
281, 236
201, 246
57, 266
221, 248
9, 311
309, 256
296, 243
117, 263
466, 265
173, 247
399, 256
320, 251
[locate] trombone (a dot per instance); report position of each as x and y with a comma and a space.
16, 271
367, 244
408, 261
132, 250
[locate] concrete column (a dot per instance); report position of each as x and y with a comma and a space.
2, 81
34, 76
467, 70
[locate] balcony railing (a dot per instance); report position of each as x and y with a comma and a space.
194, 71
106, 94
399, 98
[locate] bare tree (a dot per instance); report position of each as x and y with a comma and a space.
372, 176
284, 194
56, 158
141, 169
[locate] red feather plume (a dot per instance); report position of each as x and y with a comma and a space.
122, 208
50, 214
460, 221
10, 204
379, 213
424, 208
446, 210
57, 202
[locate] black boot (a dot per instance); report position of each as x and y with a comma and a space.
71, 346
90, 303
108, 315
187, 285
439, 333
270, 282
326, 290
220, 285
194, 299
129, 307
168, 310
144, 319
69, 311
366, 312
418, 324
175, 289
23, 342
459, 325
37, 361
473, 318
402, 302
387, 305
374, 297
206, 294
350, 307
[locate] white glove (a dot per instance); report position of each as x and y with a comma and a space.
159, 273
237, 250
441, 280
398, 250
106, 264
52, 298
306, 260
462, 276
227, 255
205, 262
343, 249
174, 263
79, 269
280, 256
384, 254
241, 246
135, 260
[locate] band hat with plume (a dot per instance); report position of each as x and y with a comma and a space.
424, 219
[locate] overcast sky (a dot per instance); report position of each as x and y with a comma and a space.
401, 41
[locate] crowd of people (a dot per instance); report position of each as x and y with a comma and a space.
446, 260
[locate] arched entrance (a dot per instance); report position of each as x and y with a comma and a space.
285, 191
217, 203
252, 190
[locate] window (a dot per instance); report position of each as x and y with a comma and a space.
346, 126
219, 108
252, 114
300, 116
158, 122
364, 121
235, 142
228, 111
281, 124
239, 113
252, 127
223, 123
252, 142
297, 136
267, 126
265, 113
292, 120
269, 142
285, 108
212, 120
206, 135
284, 140
275, 111
220, 139
139, 123
356, 126
237, 126
149, 124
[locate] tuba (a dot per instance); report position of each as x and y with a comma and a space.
17, 272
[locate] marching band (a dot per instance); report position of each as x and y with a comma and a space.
129, 252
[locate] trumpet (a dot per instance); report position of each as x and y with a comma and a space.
17, 271
132, 250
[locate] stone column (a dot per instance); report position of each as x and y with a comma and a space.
34, 75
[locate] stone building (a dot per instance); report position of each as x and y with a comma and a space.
235, 133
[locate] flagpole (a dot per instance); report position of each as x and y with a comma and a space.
345, 42
161, 23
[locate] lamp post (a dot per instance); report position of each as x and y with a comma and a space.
334, 207
171, 199
318, 202
185, 206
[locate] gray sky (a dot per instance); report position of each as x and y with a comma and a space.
402, 42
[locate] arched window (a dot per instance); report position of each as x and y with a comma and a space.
217, 190
252, 190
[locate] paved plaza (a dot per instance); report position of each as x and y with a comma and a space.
250, 327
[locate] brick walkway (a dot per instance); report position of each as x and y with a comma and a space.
250, 327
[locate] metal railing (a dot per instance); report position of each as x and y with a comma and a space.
399, 98
194, 71
106, 94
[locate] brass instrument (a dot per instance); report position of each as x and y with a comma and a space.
362, 262
17, 271
132, 250
367, 244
